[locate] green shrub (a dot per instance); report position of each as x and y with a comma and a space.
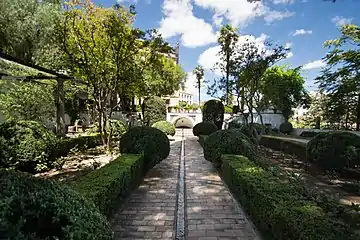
204, 128
248, 131
213, 111
334, 150
309, 134
151, 141
285, 145
154, 110
82, 142
109, 185
276, 207
202, 139
286, 127
234, 124
35, 208
166, 127
27, 146
230, 141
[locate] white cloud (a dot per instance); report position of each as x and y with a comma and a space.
289, 54
217, 20
210, 56
339, 20
288, 45
283, 1
276, 16
190, 83
314, 65
180, 20
237, 12
301, 32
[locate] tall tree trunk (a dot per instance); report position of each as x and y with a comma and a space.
358, 113
199, 95
60, 109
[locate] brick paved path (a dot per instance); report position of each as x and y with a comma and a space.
211, 213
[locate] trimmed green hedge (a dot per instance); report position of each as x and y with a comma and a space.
286, 145
309, 134
108, 185
276, 207
204, 128
166, 127
35, 208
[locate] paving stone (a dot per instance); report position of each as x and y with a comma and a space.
211, 212
210, 206
149, 211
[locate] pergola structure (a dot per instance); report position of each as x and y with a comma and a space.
45, 74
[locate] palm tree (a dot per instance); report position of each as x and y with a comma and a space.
199, 73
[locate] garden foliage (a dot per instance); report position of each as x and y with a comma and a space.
204, 128
166, 127
27, 146
154, 110
35, 208
213, 111
279, 209
152, 142
109, 185
334, 150
230, 141
286, 127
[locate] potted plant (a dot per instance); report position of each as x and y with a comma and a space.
188, 108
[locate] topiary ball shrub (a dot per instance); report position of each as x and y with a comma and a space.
204, 128
229, 141
213, 111
154, 110
234, 124
35, 208
27, 146
286, 127
334, 150
151, 141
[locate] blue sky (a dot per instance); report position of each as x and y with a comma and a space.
302, 24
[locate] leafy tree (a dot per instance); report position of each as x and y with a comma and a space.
252, 61
199, 73
162, 77
284, 88
107, 52
340, 80
26, 26
227, 40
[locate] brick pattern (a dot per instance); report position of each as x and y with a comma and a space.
149, 213
212, 213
